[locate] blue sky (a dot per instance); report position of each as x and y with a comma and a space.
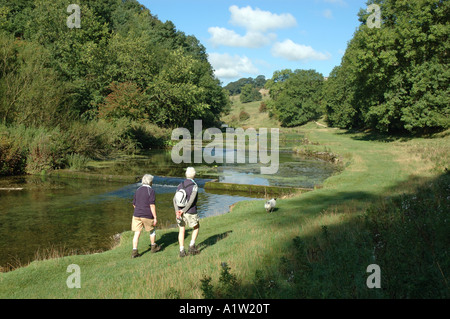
247, 38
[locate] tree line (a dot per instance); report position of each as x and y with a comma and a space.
392, 79
123, 71
121, 51
235, 87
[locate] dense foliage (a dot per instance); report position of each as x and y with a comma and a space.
119, 44
122, 64
250, 94
397, 77
393, 79
296, 96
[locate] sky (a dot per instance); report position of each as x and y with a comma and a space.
247, 38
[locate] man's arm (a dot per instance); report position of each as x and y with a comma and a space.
175, 205
153, 209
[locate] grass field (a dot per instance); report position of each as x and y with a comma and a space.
389, 206
257, 119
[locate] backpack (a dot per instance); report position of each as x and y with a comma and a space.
181, 196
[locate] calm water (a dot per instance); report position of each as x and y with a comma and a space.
294, 170
83, 214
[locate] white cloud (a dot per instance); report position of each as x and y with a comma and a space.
295, 52
257, 24
328, 14
227, 66
226, 37
259, 20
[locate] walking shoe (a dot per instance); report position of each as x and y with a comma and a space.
183, 253
155, 248
135, 254
193, 250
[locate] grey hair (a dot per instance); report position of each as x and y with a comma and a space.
147, 179
190, 172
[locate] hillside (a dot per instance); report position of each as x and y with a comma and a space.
256, 118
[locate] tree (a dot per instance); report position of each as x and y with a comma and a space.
337, 98
177, 94
235, 87
125, 100
31, 92
395, 78
250, 94
296, 96
260, 81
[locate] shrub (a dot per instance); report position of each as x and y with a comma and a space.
100, 139
149, 135
262, 107
243, 116
12, 157
46, 151
88, 139
228, 286
31, 150
234, 122
76, 161
125, 100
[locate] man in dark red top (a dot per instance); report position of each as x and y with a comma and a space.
144, 215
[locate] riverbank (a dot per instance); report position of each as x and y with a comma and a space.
314, 245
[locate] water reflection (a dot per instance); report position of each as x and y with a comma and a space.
294, 170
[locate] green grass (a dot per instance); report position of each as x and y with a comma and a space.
256, 119
315, 245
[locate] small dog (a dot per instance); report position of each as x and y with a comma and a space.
270, 205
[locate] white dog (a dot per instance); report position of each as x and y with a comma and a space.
270, 205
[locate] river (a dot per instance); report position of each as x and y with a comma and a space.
71, 214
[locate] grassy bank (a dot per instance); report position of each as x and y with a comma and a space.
388, 207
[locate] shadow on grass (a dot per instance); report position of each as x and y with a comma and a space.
371, 135
296, 210
406, 235
170, 238
166, 240
213, 240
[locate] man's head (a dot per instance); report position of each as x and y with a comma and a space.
190, 172
147, 179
